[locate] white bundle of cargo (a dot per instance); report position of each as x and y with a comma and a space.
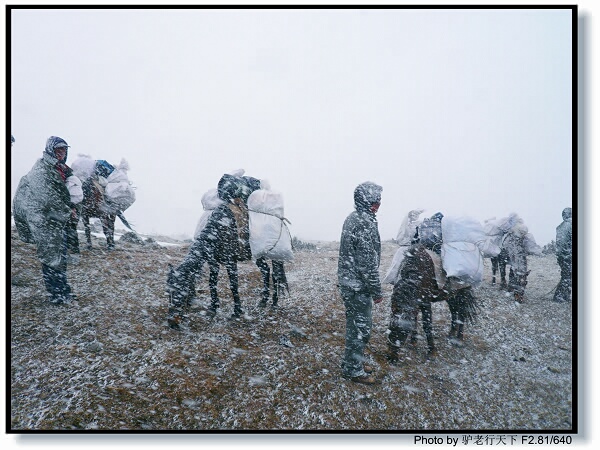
495, 229
210, 202
269, 234
464, 238
118, 190
75, 189
531, 247
405, 235
83, 167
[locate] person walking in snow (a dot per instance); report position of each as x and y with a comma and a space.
564, 253
358, 278
514, 243
42, 208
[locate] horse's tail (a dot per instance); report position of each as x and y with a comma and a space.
122, 217
466, 303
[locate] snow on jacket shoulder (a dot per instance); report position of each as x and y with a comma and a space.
360, 254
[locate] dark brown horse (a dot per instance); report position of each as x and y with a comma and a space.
223, 241
95, 205
415, 290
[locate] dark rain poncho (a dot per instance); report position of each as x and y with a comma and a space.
41, 209
360, 251
564, 239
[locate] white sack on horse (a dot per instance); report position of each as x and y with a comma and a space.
210, 202
75, 190
83, 167
531, 247
118, 190
408, 228
464, 241
405, 235
467, 229
499, 227
269, 235
393, 273
462, 260
438, 269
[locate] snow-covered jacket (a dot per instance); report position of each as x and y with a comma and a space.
360, 253
564, 237
42, 207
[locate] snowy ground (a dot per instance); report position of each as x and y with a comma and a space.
108, 361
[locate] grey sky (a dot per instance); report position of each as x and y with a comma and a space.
461, 111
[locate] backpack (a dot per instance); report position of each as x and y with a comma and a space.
430, 234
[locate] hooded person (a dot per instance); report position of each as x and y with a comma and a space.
516, 252
564, 256
42, 208
358, 278
216, 244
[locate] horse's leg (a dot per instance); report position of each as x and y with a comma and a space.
402, 324
279, 280
427, 326
266, 275
457, 305
502, 267
88, 232
512, 280
494, 268
459, 314
181, 283
108, 227
464, 309
232, 271
111, 226
520, 283
453, 317
212, 285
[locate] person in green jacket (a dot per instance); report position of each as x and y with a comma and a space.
358, 278
42, 208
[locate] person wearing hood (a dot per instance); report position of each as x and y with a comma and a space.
358, 278
216, 244
564, 255
42, 208
516, 251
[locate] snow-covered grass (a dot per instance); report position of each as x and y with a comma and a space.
109, 362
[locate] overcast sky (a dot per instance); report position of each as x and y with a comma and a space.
467, 112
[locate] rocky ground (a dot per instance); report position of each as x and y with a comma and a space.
109, 362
